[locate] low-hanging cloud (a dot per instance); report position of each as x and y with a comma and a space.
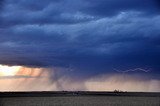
123, 83
42, 79
38, 79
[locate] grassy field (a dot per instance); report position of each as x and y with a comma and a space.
79, 99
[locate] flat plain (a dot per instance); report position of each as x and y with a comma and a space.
79, 99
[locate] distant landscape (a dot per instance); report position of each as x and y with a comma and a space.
79, 98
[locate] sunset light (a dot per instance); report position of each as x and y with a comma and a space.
9, 70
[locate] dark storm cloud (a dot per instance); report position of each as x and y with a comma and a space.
70, 11
1, 4
113, 7
45, 12
81, 35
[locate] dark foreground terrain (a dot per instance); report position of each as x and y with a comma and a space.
79, 99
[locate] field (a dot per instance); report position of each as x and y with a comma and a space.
79, 99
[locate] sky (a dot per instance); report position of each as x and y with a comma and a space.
87, 44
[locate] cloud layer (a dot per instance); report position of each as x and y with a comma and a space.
86, 37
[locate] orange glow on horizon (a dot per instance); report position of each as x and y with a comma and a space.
22, 71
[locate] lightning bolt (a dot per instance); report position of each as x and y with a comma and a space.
132, 70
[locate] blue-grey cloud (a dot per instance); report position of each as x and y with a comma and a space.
113, 7
70, 11
90, 37
45, 12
